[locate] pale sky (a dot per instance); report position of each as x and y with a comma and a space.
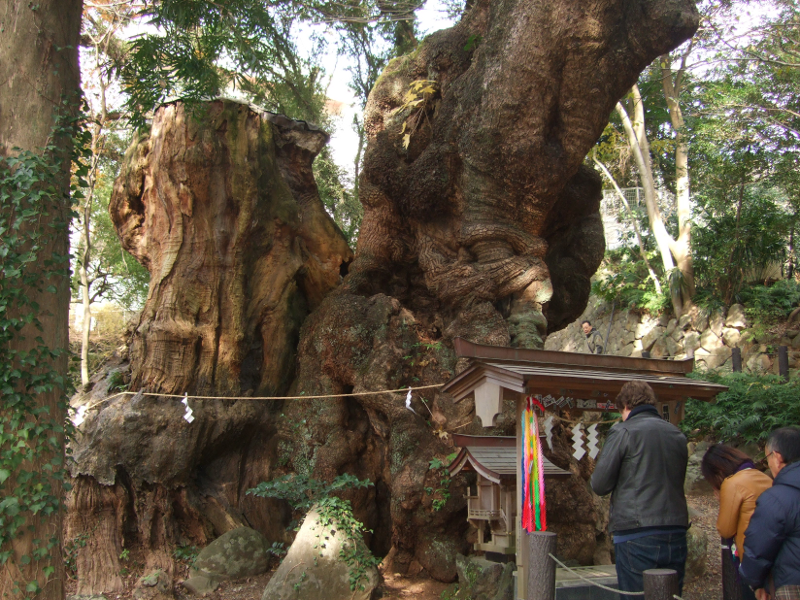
344, 141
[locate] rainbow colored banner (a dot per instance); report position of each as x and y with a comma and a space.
534, 507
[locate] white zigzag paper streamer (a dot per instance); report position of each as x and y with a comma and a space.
188, 414
80, 416
408, 402
548, 430
577, 439
592, 441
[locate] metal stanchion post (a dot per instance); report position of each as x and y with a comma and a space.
783, 362
736, 360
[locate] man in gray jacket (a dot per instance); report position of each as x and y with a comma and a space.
643, 465
594, 341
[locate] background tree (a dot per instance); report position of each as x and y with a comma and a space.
39, 81
103, 22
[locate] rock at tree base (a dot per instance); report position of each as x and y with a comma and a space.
239, 553
155, 586
697, 551
695, 483
481, 579
313, 567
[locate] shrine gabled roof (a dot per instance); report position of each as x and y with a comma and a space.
494, 457
573, 374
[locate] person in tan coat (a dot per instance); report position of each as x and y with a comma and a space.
737, 484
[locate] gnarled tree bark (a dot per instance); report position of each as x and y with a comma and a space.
480, 221
222, 207
485, 224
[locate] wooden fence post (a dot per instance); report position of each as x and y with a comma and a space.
783, 362
736, 359
541, 568
660, 584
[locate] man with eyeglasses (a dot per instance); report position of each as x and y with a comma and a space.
771, 564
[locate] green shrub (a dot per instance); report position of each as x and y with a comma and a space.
770, 303
753, 406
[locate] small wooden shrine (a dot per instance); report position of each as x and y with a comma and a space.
494, 503
568, 381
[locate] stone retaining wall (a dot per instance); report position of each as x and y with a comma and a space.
712, 336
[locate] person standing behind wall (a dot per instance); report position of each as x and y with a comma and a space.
594, 341
771, 562
643, 466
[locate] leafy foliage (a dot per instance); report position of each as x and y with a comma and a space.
627, 282
752, 407
113, 273
303, 493
771, 303
442, 492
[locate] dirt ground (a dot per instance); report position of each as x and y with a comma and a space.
398, 587
704, 516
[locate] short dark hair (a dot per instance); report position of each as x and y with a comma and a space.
586, 322
785, 441
635, 393
720, 462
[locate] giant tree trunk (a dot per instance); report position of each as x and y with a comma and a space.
481, 223
39, 79
222, 208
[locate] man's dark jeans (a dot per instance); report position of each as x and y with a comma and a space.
660, 551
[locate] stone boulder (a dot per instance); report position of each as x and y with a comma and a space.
710, 341
731, 336
660, 349
699, 319
481, 579
716, 322
650, 338
437, 555
695, 483
758, 362
673, 347
313, 567
691, 341
671, 325
697, 551
736, 317
155, 586
241, 552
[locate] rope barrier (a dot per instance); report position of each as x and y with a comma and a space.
594, 583
405, 389
600, 585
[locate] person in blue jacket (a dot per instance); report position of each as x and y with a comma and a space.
771, 564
